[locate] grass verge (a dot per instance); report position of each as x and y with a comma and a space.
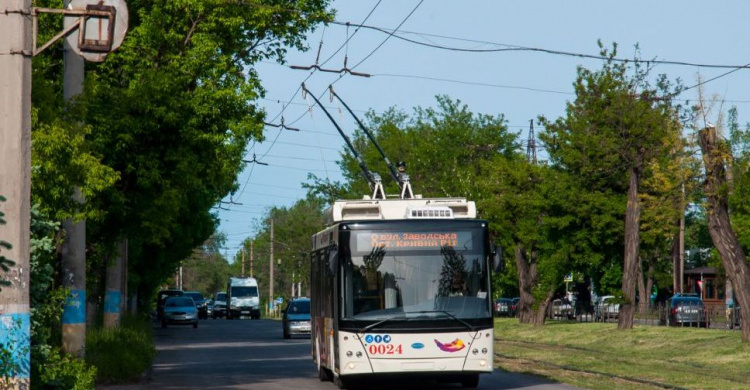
598, 356
121, 354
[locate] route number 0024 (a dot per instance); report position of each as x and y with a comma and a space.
385, 349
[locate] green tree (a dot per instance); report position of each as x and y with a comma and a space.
172, 111
617, 124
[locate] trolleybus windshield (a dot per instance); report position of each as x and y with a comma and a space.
416, 274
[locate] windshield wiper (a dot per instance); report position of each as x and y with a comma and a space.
371, 326
447, 314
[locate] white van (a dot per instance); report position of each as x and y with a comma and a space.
243, 298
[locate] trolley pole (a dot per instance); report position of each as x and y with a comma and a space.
74, 239
15, 187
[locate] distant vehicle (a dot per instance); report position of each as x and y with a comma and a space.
180, 310
561, 308
161, 297
243, 298
296, 318
200, 303
687, 310
503, 307
209, 307
514, 306
219, 306
606, 308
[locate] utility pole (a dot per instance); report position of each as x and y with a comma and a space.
15, 186
113, 295
682, 240
243, 261
74, 238
251, 257
270, 278
531, 145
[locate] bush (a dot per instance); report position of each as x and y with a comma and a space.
53, 369
121, 354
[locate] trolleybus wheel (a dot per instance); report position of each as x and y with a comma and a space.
470, 381
324, 375
340, 383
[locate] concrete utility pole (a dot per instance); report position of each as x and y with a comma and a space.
270, 277
251, 257
74, 239
15, 185
113, 294
243, 260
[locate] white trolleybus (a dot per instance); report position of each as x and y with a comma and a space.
401, 285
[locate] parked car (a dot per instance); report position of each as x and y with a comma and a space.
503, 307
561, 308
220, 305
606, 308
515, 306
180, 310
161, 297
200, 303
296, 318
687, 310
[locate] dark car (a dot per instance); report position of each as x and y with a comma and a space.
296, 318
515, 306
503, 307
686, 311
161, 297
220, 305
179, 310
200, 303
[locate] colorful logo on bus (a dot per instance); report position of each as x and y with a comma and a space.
454, 346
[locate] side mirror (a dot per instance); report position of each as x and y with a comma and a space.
498, 262
333, 261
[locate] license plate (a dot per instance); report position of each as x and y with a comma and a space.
246, 312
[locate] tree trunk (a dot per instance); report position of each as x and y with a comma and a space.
649, 283
719, 225
540, 316
527, 276
630, 267
642, 292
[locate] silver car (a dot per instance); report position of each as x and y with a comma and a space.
180, 310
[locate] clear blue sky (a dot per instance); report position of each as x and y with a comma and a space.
518, 84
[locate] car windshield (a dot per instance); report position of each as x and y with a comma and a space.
299, 307
196, 296
244, 291
392, 274
179, 302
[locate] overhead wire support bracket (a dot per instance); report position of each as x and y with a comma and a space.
254, 161
373, 179
339, 71
401, 178
281, 125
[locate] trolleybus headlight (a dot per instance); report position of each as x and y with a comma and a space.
482, 363
349, 354
350, 366
484, 351
359, 354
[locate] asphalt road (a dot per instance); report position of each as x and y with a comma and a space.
251, 354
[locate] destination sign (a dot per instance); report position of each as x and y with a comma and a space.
413, 240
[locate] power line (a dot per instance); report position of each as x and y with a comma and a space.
389, 35
510, 47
